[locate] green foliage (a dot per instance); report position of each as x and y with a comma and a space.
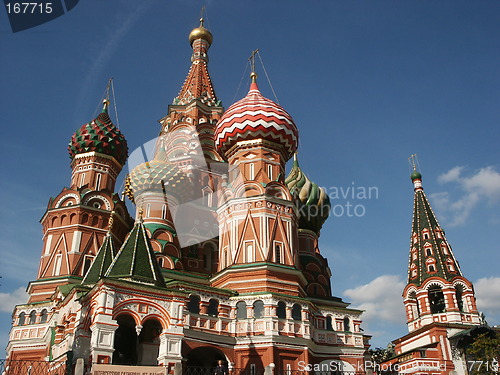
483, 354
380, 355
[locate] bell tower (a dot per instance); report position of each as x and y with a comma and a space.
436, 290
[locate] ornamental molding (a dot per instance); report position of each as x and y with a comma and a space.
98, 196
66, 196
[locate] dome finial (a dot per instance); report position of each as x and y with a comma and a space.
201, 32
416, 177
105, 105
253, 75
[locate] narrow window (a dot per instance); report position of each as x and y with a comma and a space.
329, 325
270, 171
436, 300
22, 319
164, 212
241, 310
459, 297
32, 317
347, 326
194, 304
213, 307
252, 171
82, 179
258, 309
160, 262
86, 264
249, 252
281, 310
57, 265
277, 253
296, 312
431, 268
98, 181
252, 369
148, 210
43, 316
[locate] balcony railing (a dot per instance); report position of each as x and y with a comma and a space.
23, 367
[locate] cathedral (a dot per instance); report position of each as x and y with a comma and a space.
219, 262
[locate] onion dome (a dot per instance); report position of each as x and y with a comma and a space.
312, 201
100, 135
160, 176
255, 117
200, 33
415, 175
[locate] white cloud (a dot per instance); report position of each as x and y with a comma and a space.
487, 291
9, 300
483, 185
452, 175
380, 298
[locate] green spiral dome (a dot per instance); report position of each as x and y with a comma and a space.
312, 201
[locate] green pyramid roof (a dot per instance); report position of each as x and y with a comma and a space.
136, 259
434, 249
101, 262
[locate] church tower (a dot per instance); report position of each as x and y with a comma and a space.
439, 301
75, 223
436, 290
175, 189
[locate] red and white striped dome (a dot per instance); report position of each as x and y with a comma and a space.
255, 117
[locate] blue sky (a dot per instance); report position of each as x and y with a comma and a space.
368, 83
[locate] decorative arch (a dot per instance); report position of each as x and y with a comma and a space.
249, 188
277, 190
66, 198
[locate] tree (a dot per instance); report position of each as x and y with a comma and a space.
484, 353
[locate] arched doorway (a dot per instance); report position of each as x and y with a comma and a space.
205, 357
149, 343
125, 343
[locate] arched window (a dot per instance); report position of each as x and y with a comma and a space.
459, 296
436, 300
87, 262
296, 312
22, 319
414, 305
241, 310
347, 325
258, 309
281, 310
194, 304
32, 317
329, 325
213, 307
43, 316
